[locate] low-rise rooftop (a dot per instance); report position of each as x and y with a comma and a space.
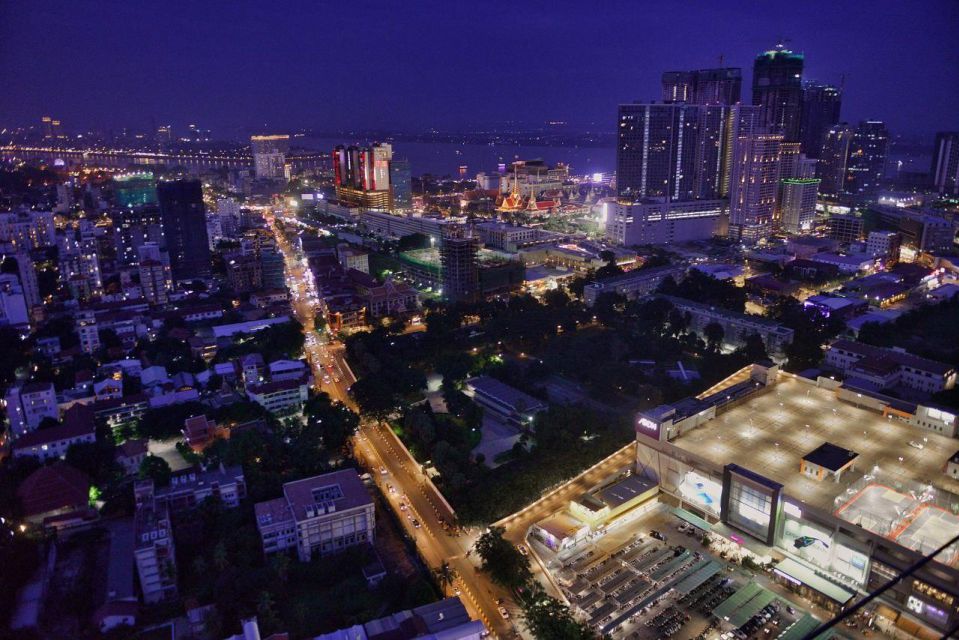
830, 456
343, 489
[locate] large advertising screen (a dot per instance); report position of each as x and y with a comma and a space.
819, 546
750, 502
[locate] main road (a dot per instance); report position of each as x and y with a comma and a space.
423, 512
415, 501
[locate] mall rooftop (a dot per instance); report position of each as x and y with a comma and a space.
772, 431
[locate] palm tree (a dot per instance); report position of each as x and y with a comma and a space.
445, 575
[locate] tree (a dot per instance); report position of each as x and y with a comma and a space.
166, 422
714, 334
220, 557
506, 566
14, 351
548, 618
454, 366
679, 322
701, 287
413, 241
156, 468
280, 563
335, 422
754, 349
445, 575
372, 397
610, 269
578, 285
96, 459
556, 299
266, 612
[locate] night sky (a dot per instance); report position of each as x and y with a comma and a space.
236, 66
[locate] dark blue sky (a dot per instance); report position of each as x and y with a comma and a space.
330, 65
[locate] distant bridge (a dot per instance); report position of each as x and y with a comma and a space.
125, 159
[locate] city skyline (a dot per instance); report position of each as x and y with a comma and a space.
529, 321
226, 72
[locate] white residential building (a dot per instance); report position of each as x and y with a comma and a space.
14, 310
351, 258
320, 515
279, 396
28, 404
633, 284
86, 322
47, 444
880, 368
28, 229
657, 222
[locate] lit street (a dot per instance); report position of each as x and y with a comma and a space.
377, 448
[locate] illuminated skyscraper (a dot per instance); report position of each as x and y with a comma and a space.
741, 120
754, 185
678, 151
945, 163
164, 134
656, 151
777, 88
703, 86
832, 163
362, 175
867, 158
821, 104
269, 156
184, 228
798, 204
401, 184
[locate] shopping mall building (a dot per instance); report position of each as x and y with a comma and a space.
843, 489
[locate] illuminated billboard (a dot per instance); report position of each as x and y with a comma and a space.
649, 428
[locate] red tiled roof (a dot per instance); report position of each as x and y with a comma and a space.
54, 487
131, 448
69, 429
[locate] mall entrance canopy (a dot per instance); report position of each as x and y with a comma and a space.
797, 572
692, 519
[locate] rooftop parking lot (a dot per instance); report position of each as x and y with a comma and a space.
771, 432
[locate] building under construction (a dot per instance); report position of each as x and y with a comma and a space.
458, 249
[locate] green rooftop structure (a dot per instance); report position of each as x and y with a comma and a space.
135, 189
